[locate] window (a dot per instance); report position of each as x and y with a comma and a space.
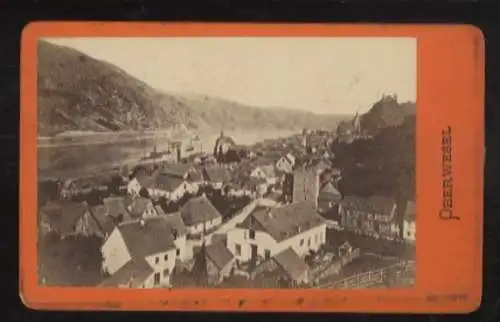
316, 238
157, 278
166, 272
157, 260
237, 249
267, 254
252, 234
301, 242
309, 242
165, 257
178, 252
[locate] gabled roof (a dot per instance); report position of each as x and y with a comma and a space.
147, 236
159, 210
104, 222
329, 191
410, 210
167, 182
175, 222
115, 206
138, 207
268, 170
133, 274
217, 174
219, 254
378, 204
291, 263
198, 210
283, 222
64, 215
178, 169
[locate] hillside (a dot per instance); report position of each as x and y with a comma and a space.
383, 165
387, 112
79, 93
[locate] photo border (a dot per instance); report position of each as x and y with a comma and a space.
450, 93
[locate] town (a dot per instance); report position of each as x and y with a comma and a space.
269, 215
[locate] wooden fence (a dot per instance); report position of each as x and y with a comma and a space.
373, 277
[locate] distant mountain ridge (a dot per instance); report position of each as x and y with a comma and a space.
79, 93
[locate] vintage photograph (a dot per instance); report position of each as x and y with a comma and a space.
227, 162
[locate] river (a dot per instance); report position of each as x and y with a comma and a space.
85, 155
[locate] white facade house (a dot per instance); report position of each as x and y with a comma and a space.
131, 243
265, 172
170, 187
270, 231
200, 216
142, 208
133, 187
286, 163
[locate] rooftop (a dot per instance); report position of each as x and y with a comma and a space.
291, 263
133, 274
219, 254
283, 222
198, 210
379, 204
147, 236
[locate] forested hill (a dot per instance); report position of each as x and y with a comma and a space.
382, 165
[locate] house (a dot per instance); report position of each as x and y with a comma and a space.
293, 267
117, 207
267, 231
286, 163
136, 273
306, 186
328, 197
375, 216
98, 222
179, 231
187, 171
214, 262
142, 208
409, 223
62, 218
169, 186
151, 240
134, 187
200, 215
266, 172
217, 176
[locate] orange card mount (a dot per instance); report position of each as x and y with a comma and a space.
251, 167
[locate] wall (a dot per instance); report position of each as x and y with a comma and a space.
157, 193
184, 188
284, 165
115, 253
163, 264
133, 187
184, 254
237, 236
196, 230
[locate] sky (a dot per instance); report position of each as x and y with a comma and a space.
321, 75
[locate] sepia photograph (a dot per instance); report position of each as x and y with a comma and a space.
227, 162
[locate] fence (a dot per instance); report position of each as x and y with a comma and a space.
335, 266
373, 277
